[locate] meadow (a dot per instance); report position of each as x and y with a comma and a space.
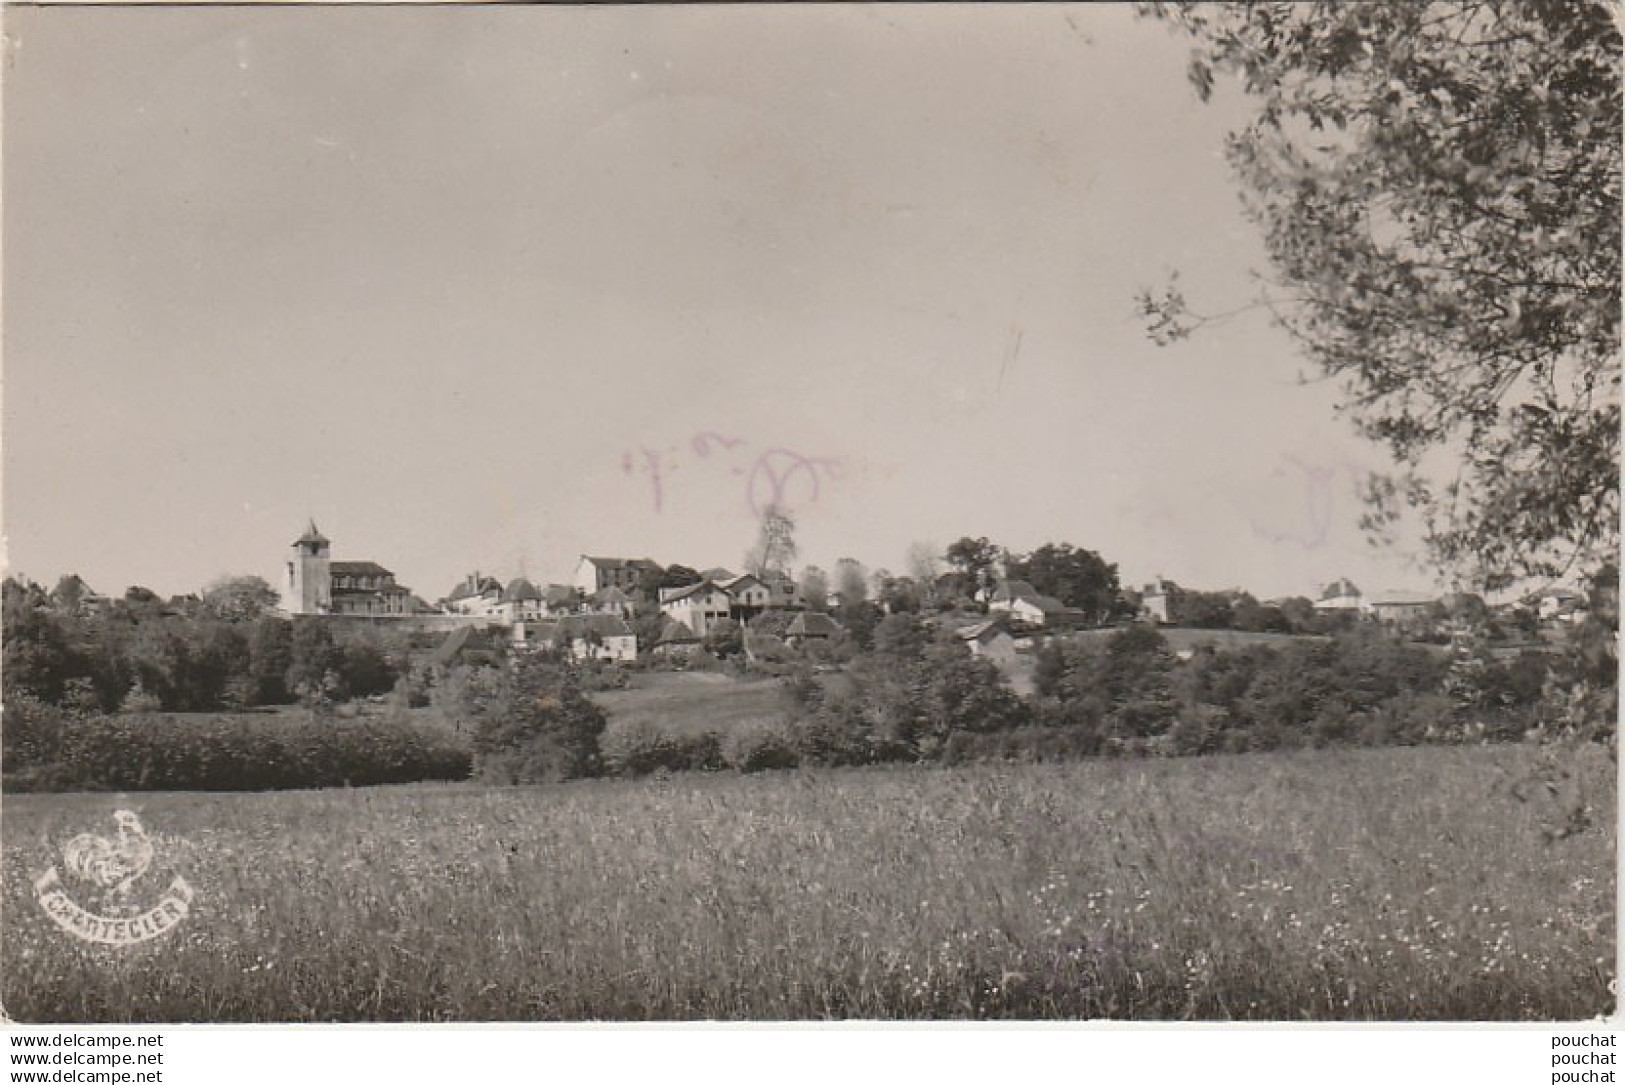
691, 702
1388, 884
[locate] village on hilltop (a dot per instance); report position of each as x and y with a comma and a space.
594, 613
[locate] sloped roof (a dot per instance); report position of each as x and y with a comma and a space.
812, 624
677, 632
473, 585
605, 625
1008, 591
558, 594
520, 590
692, 589
1340, 589
611, 594
719, 574
1403, 599
311, 535
981, 630
622, 563
739, 583
357, 568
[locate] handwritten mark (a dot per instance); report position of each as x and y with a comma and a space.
774, 478
1320, 499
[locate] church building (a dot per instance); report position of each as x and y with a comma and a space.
316, 584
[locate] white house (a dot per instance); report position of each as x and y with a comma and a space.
989, 639
520, 601
594, 574
1022, 602
750, 596
1401, 606
476, 594
1342, 595
586, 636
698, 606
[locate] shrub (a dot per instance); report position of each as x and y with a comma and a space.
533, 724
152, 752
1023, 744
758, 746
640, 748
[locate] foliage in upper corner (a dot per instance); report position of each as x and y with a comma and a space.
1439, 190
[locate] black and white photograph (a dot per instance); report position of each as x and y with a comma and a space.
594, 514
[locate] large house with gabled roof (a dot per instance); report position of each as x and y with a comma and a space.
594, 574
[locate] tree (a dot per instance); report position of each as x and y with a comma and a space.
851, 582
975, 558
1439, 190
815, 587
775, 547
678, 576
314, 660
924, 567
724, 638
532, 723
1078, 578
240, 598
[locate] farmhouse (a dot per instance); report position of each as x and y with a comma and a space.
810, 626
1023, 603
676, 639
595, 574
583, 636
989, 639
1401, 606
749, 596
1341, 595
698, 606
476, 594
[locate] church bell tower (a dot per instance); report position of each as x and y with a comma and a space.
308, 586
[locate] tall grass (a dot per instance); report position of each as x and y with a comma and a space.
1346, 885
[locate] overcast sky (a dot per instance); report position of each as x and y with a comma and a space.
493, 287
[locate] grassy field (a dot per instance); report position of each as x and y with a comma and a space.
1388, 884
691, 702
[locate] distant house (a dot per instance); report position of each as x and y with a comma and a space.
676, 639
365, 587
989, 639
783, 593
599, 636
613, 600
583, 636
1156, 601
72, 594
1022, 602
1341, 595
1401, 606
698, 606
594, 574
561, 599
810, 626
749, 595
520, 600
476, 594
